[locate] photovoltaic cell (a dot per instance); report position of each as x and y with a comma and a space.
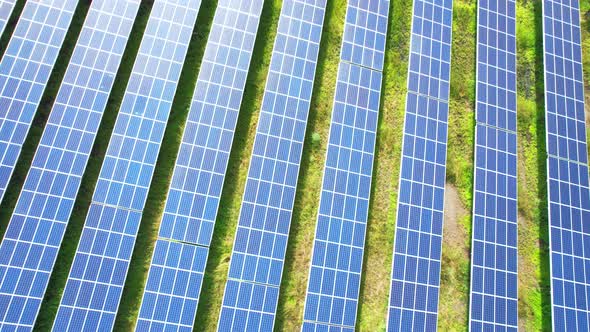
430, 49
252, 289
174, 281
173, 287
496, 64
333, 288
93, 289
335, 274
566, 131
418, 236
36, 228
6, 7
567, 166
569, 212
365, 32
24, 72
494, 256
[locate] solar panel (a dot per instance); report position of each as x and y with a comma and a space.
93, 289
334, 281
252, 289
36, 228
365, 30
569, 212
335, 274
494, 256
177, 268
24, 72
415, 277
6, 7
567, 166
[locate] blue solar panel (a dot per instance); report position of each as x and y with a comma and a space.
569, 191
413, 303
6, 7
93, 289
365, 32
24, 72
252, 289
195, 190
335, 274
494, 253
494, 241
569, 212
430, 49
36, 228
173, 287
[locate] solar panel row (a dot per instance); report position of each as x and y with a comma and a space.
174, 280
24, 72
567, 166
252, 289
493, 297
6, 7
335, 274
94, 286
93, 289
37, 226
418, 236
334, 281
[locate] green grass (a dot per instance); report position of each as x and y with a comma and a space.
534, 301
455, 267
462, 100
534, 306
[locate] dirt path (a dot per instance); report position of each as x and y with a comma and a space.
454, 289
455, 233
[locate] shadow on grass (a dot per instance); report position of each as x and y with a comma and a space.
542, 171
225, 226
74, 229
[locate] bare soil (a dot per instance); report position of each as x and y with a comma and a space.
454, 233
454, 289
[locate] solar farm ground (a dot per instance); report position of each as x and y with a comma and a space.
534, 300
